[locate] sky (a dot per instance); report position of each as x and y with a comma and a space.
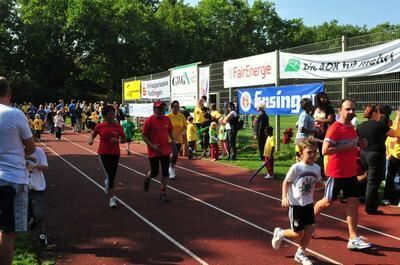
354, 12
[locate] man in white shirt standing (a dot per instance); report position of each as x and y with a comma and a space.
16, 142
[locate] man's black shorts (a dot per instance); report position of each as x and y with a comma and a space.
7, 219
349, 186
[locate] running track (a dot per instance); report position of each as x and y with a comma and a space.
213, 217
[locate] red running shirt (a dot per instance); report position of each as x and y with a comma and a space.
157, 130
343, 163
107, 131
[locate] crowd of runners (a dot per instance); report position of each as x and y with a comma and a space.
325, 141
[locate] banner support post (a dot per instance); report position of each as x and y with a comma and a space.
123, 95
277, 117
344, 80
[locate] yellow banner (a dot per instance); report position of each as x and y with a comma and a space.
131, 90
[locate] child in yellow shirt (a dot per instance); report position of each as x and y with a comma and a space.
269, 149
38, 126
191, 134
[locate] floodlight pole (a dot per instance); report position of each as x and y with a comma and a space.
277, 117
344, 80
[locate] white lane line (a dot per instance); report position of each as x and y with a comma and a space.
215, 208
173, 241
269, 196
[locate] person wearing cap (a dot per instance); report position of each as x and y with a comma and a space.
111, 134
260, 124
156, 132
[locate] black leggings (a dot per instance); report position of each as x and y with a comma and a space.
375, 164
175, 153
58, 132
155, 166
110, 165
232, 134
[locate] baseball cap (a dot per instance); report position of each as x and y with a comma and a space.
159, 104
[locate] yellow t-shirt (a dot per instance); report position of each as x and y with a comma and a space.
178, 126
25, 108
30, 122
38, 124
191, 132
198, 115
215, 115
269, 144
94, 117
393, 144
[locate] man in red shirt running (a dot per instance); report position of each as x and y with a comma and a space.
111, 134
156, 130
340, 144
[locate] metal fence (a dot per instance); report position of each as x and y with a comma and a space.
381, 89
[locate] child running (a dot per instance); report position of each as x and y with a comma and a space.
297, 195
58, 124
38, 124
269, 150
129, 128
191, 134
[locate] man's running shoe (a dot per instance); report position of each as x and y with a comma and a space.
113, 203
301, 258
163, 197
277, 238
106, 186
172, 174
358, 243
43, 239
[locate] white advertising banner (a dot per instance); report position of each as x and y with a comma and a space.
204, 81
141, 110
377, 60
184, 85
250, 71
156, 89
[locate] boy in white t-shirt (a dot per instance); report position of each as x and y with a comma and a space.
36, 164
297, 195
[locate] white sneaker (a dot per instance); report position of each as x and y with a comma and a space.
172, 174
277, 238
268, 176
106, 186
301, 258
113, 203
358, 243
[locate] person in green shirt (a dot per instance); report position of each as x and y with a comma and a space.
214, 141
129, 128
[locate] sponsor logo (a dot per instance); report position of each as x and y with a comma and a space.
293, 65
245, 101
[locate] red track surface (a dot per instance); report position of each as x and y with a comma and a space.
213, 215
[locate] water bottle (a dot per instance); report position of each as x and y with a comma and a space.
396, 184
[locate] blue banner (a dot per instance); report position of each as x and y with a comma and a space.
282, 100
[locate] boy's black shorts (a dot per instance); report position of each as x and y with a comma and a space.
301, 216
